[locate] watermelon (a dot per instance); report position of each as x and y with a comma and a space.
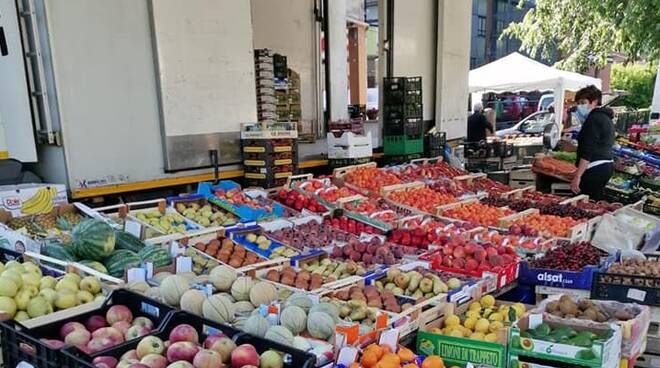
93, 239
156, 255
119, 260
98, 266
59, 251
124, 240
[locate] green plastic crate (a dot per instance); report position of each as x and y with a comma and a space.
400, 145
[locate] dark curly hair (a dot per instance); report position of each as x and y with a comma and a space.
590, 93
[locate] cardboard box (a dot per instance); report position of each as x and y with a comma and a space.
31, 199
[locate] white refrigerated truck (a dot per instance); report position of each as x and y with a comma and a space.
654, 117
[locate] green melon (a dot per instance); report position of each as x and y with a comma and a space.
128, 241
156, 255
59, 251
98, 266
120, 260
93, 239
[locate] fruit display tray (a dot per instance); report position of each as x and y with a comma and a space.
460, 351
369, 219
604, 354
22, 344
576, 233
261, 274
244, 212
338, 175
467, 291
239, 236
199, 200
491, 281
626, 288
560, 278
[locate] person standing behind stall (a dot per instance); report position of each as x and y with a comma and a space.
595, 141
478, 127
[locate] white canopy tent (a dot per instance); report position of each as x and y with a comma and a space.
516, 72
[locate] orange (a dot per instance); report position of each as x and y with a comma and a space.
433, 361
391, 357
406, 355
410, 366
387, 364
376, 349
385, 348
370, 358
354, 365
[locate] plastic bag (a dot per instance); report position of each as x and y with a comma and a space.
613, 233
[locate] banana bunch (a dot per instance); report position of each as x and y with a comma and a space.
41, 202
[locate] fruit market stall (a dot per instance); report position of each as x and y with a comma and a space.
419, 265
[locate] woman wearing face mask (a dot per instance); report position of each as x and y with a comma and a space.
595, 141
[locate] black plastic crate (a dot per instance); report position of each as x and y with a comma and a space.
270, 160
7, 255
413, 96
269, 146
413, 83
651, 209
394, 84
413, 110
435, 142
21, 344
293, 358
393, 112
617, 196
268, 182
626, 288
343, 162
395, 97
413, 127
269, 170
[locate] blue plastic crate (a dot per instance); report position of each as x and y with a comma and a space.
560, 278
245, 213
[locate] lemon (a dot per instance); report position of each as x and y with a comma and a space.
436, 330
473, 314
475, 306
477, 336
470, 322
482, 325
452, 320
491, 337
495, 325
519, 308
487, 301
487, 312
496, 317
456, 333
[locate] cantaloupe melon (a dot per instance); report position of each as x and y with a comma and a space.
320, 325
256, 325
294, 318
262, 293
222, 277
327, 308
240, 289
172, 288
280, 334
218, 309
301, 300
192, 301
243, 308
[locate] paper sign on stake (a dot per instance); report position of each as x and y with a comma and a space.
347, 355
351, 332
174, 248
390, 338
183, 264
136, 275
340, 339
208, 290
535, 320
133, 228
149, 267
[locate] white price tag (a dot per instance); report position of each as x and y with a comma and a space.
637, 294
150, 269
208, 289
347, 355
174, 248
314, 298
183, 264
136, 274
535, 320
390, 338
24, 364
133, 228
340, 339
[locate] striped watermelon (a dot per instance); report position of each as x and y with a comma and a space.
93, 239
156, 255
128, 241
59, 251
119, 260
98, 266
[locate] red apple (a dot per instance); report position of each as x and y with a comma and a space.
121, 326
143, 321
54, 344
68, 327
210, 339
136, 331
154, 361
109, 361
207, 359
184, 332
182, 350
78, 337
99, 344
149, 345
109, 332
118, 313
95, 322
244, 355
223, 346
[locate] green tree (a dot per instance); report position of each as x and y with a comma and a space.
583, 33
638, 80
